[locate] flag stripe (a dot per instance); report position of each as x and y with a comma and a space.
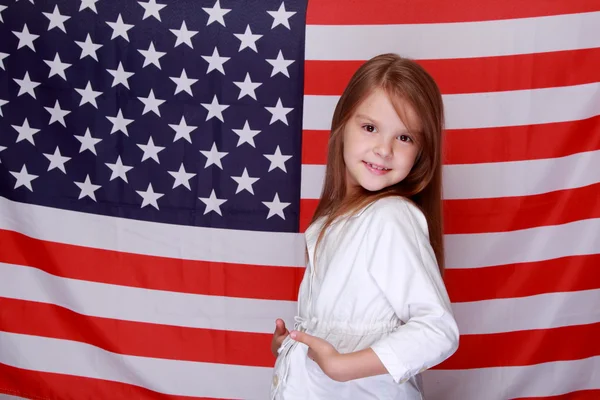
489, 110
155, 239
329, 12
528, 142
47, 385
159, 273
528, 245
137, 338
502, 383
144, 305
543, 311
503, 214
490, 180
160, 375
485, 74
567, 274
464, 40
527, 347
578, 395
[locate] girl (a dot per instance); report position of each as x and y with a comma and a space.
373, 312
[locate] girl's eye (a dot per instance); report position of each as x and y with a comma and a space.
369, 128
405, 138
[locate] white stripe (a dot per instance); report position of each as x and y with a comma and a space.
452, 40
501, 383
490, 109
544, 311
526, 245
152, 238
144, 305
164, 376
491, 180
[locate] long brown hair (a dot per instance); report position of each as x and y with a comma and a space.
401, 79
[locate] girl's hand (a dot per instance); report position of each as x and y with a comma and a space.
323, 353
278, 336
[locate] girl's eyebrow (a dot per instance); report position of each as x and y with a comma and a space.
363, 116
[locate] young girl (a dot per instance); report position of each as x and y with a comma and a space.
373, 312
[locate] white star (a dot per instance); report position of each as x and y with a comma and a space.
276, 207
183, 83
279, 112
212, 203
26, 38
118, 170
88, 142
25, 132
215, 109
57, 114
247, 87
181, 177
215, 62
151, 150
2, 57
247, 39
2, 8
120, 75
277, 160
216, 13
151, 103
27, 85
183, 35
182, 130
151, 9
23, 178
120, 28
213, 156
244, 182
119, 123
88, 48
151, 56
91, 4
281, 16
149, 197
246, 135
56, 19
2, 102
31, 1
88, 95
280, 65
57, 67
87, 188
2, 148
57, 160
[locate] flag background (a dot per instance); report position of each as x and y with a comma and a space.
113, 292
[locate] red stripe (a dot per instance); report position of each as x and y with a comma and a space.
567, 274
485, 74
527, 347
579, 395
51, 386
360, 12
161, 273
506, 214
513, 143
137, 338
513, 213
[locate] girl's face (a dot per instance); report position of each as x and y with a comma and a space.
379, 150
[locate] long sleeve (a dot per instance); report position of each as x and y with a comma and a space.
403, 265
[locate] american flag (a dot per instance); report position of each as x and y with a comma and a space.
159, 161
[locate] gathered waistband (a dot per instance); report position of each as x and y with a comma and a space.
319, 326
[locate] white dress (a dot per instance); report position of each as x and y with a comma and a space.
376, 284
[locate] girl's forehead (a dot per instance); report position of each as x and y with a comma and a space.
389, 109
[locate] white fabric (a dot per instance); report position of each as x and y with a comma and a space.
375, 284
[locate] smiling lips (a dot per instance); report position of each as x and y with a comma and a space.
376, 169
